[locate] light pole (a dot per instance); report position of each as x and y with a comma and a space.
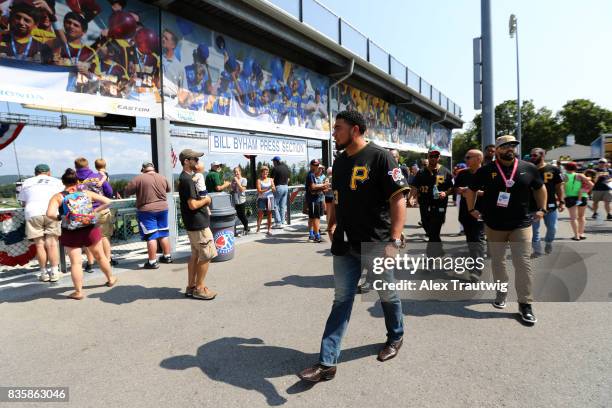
513, 26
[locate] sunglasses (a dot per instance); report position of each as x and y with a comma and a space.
535, 155
467, 157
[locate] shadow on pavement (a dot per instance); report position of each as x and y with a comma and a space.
130, 293
320, 282
431, 307
248, 364
36, 291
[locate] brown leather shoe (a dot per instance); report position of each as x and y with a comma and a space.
318, 373
390, 350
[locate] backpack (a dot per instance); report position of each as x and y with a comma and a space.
77, 211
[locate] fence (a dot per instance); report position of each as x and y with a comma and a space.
17, 253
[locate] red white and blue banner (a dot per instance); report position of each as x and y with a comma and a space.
15, 249
9, 132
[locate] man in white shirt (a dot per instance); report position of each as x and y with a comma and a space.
34, 195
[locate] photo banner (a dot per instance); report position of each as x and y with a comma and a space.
85, 55
211, 79
255, 145
390, 126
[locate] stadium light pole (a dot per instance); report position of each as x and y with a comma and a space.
513, 30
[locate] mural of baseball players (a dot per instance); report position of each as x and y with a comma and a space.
209, 72
388, 123
109, 47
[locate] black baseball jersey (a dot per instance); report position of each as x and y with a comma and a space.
363, 184
464, 179
425, 180
551, 176
517, 213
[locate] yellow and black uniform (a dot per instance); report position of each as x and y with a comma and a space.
363, 184
26, 49
473, 228
429, 183
551, 176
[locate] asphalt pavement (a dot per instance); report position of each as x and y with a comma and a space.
142, 344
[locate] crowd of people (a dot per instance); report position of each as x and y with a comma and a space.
121, 62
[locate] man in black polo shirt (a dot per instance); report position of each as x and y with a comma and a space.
508, 184
280, 173
473, 228
197, 223
432, 185
555, 193
369, 206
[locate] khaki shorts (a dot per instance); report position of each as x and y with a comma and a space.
202, 244
41, 225
605, 196
106, 223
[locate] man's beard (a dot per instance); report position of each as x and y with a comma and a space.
340, 146
536, 161
507, 156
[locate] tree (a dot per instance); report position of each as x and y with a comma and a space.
585, 120
462, 142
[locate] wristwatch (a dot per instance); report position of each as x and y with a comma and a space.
542, 209
397, 242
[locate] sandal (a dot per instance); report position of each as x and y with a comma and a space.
111, 284
583, 237
575, 239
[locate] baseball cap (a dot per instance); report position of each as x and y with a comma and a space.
147, 164
276, 158
603, 160
189, 154
433, 152
506, 139
461, 166
42, 168
314, 162
215, 163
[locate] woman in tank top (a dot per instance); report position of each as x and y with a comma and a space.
265, 198
577, 188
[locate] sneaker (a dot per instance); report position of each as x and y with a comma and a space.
43, 277
114, 262
365, 287
54, 277
535, 255
527, 313
317, 239
277, 226
609, 217
165, 259
500, 300
548, 248
311, 238
88, 268
205, 294
149, 265
594, 216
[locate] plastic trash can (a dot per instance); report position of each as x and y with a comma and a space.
222, 221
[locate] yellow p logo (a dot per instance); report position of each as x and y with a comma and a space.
360, 173
547, 176
439, 180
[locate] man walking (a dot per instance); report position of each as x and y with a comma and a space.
34, 195
152, 212
555, 193
432, 185
489, 154
280, 174
473, 228
197, 223
602, 190
214, 180
369, 206
508, 184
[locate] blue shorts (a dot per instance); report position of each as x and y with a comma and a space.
152, 225
265, 204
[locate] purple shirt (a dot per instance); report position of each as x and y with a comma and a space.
90, 180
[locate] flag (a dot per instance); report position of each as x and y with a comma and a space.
9, 132
173, 157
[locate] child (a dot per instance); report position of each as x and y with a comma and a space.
198, 179
101, 167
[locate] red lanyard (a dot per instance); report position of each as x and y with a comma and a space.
507, 182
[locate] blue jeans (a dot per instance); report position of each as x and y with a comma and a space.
550, 220
280, 199
347, 271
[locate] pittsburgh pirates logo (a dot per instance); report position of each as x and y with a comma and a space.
439, 180
360, 173
547, 176
493, 175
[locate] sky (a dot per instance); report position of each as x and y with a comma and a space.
564, 48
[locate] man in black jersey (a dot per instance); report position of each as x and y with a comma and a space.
508, 184
369, 206
473, 228
555, 193
432, 185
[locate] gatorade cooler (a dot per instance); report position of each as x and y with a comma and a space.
222, 221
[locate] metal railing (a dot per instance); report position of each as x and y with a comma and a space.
125, 240
329, 24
